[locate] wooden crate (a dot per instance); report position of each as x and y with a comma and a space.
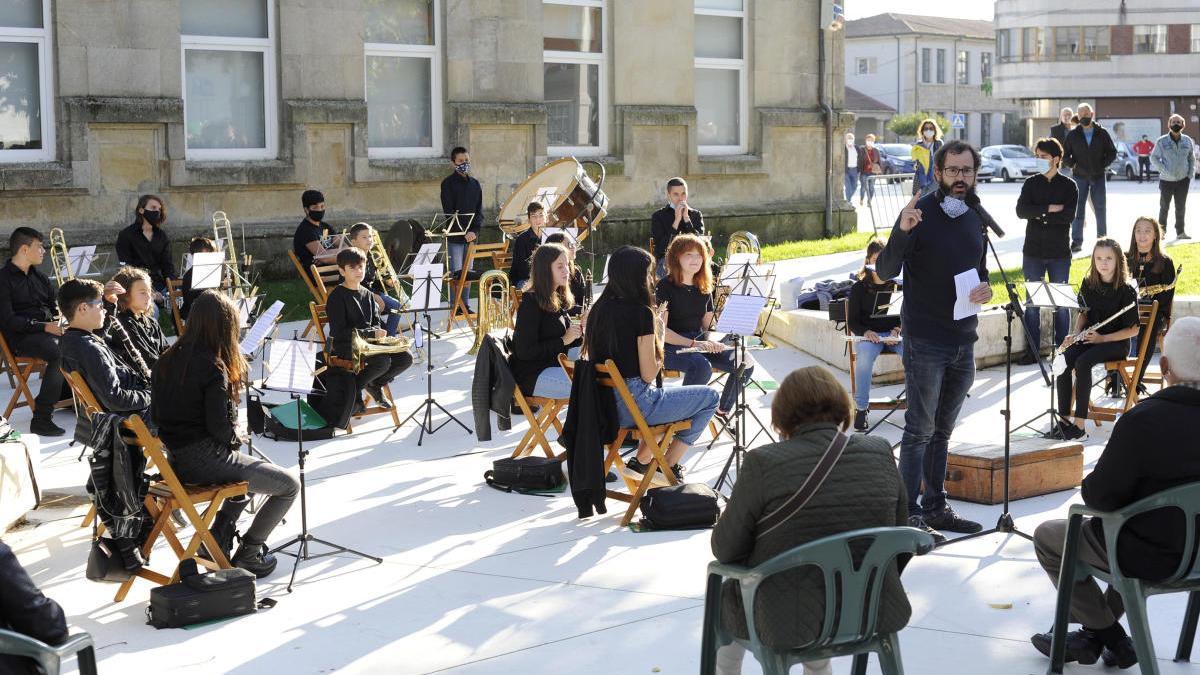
975, 471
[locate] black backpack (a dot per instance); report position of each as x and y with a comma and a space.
526, 475
687, 506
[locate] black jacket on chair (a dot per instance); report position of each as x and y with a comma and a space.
117, 388
23, 609
492, 389
590, 426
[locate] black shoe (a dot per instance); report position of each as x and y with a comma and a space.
376, 394
1115, 386
860, 420
1122, 657
1083, 646
636, 467
611, 477
130, 555
919, 523
1182, 235
946, 519
43, 426
1076, 248
1027, 359
359, 407
254, 558
677, 469
224, 530
1070, 432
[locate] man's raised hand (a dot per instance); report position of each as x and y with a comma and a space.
910, 215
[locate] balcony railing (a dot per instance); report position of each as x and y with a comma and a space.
1094, 55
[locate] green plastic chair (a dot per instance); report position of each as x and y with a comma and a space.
49, 659
1134, 591
854, 589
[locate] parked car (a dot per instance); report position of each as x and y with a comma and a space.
1126, 163
1011, 162
896, 158
987, 170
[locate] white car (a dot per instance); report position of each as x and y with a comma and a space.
1011, 161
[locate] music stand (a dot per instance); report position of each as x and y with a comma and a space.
292, 371
739, 318
891, 308
1053, 296
426, 296
84, 261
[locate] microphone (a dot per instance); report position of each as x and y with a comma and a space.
972, 201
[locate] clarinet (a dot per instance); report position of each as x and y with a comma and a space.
139, 363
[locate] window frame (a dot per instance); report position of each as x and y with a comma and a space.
44, 39
1160, 45
1194, 39
583, 59
987, 66
962, 68
266, 46
739, 65
941, 65
432, 52
926, 65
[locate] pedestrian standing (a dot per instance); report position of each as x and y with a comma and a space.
1173, 159
1088, 151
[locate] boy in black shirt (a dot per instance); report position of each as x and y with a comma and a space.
351, 310
673, 219
525, 244
307, 242
362, 237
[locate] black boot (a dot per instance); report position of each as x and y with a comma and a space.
860, 420
43, 426
130, 556
224, 530
253, 557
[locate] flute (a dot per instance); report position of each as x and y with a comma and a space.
889, 339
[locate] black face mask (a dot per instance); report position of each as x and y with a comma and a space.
1085, 121
152, 217
1176, 128
316, 216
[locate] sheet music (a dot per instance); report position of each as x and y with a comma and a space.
80, 259
964, 283
896, 304
604, 277
264, 324
1052, 295
291, 365
246, 307
740, 314
426, 286
744, 258
206, 269
427, 254
749, 279
571, 233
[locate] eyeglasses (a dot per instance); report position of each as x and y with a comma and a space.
955, 171
98, 302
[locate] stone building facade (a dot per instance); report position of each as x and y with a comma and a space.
239, 105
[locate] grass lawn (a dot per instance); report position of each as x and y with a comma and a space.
855, 241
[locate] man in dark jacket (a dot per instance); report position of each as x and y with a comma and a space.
1059, 131
25, 610
677, 217
1088, 150
463, 195
1150, 451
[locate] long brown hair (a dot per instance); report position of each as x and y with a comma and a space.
630, 270
1121, 276
127, 276
141, 204
213, 324
1157, 257
684, 243
874, 248
549, 297
937, 130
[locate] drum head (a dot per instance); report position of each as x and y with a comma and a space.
550, 185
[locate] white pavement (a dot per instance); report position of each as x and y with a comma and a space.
478, 581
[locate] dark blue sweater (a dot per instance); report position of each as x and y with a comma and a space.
938, 248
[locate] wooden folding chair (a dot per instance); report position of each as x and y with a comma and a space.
175, 299
167, 494
316, 293
86, 402
319, 319
658, 437
1129, 369
889, 403
459, 311
325, 277
21, 368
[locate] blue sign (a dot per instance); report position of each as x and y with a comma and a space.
958, 121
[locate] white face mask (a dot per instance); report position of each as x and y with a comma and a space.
1043, 165
928, 133
870, 144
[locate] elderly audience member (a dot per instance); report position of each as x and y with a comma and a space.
25, 610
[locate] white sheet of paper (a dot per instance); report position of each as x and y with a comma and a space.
964, 282
604, 277
206, 269
749, 279
744, 258
246, 307
262, 326
427, 254
291, 365
572, 233
426, 286
895, 304
740, 314
80, 258
1052, 295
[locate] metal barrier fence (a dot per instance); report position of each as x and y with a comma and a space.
889, 195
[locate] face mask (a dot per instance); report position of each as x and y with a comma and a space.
850, 142
870, 144
463, 168
1085, 121
1043, 165
953, 206
316, 216
928, 133
152, 217
1177, 128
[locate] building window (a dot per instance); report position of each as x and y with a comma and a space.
721, 97
1196, 38
1004, 44
865, 66
402, 78
26, 98
925, 57
985, 66
1150, 39
1096, 41
1066, 42
573, 75
985, 129
1031, 43
941, 66
228, 52
961, 74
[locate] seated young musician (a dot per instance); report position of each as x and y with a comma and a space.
1105, 291
196, 388
868, 298
118, 388
133, 309
687, 291
544, 328
524, 245
351, 309
308, 240
581, 290
1149, 266
362, 236
624, 326
197, 245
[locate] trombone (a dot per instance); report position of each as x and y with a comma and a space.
239, 267
58, 256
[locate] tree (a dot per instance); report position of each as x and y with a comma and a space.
905, 126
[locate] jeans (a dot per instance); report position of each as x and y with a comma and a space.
1177, 190
210, 463
43, 346
1143, 168
458, 253
1080, 358
851, 182
1035, 269
1090, 606
697, 369
866, 353
938, 377
553, 382
1097, 187
671, 404
392, 321
866, 187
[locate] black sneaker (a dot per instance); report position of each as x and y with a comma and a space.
919, 523
45, 427
1070, 432
636, 467
1076, 248
611, 477
1179, 235
376, 393
1083, 646
860, 420
1027, 359
677, 469
224, 530
946, 519
1124, 656
1115, 386
254, 558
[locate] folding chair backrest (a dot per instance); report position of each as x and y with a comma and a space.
319, 319
608, 375
1147, 315
175, 299
312, 289
325, 276
84, 398
136, 434
10, 358
1186, 498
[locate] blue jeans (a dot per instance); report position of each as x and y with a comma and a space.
669, 404
851, 182
938, 377
1034, 269
866, 187
697, 369
1096, 186
866, 353
553, 382
458, 253
392, 323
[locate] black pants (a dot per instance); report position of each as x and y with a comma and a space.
1079, 359
43, 346
1168, 189
381, 369
1143, 168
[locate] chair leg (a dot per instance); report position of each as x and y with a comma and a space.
1139, 624
889, 655
1187, 636
859, 665
712, 617
86, 660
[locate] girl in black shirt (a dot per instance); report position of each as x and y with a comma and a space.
195, 392
134, 312
623, 326
1105, 292
581, 290
146, 245
544, 328
868, 297
1150, 266
687, 291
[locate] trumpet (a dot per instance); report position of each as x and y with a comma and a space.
58, 256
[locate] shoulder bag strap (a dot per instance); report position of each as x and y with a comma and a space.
809, 488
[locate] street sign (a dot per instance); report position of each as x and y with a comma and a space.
958, 121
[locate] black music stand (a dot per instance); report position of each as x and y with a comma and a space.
891, 308
1052, 296
742, 321
295, 385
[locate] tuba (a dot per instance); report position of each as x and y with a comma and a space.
495, 306
362, 348
58, 256
743, 242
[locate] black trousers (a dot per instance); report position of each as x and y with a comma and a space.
381, 369
1143, 168
43, 346
1080, 358
1168, 190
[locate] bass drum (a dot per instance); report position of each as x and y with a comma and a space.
404, 238
571, 198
